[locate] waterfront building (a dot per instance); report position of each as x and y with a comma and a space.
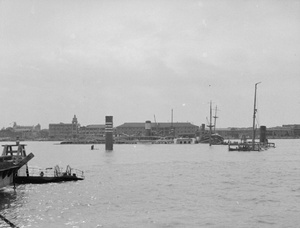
178, 129
235, 133
92, 131
19, 131
286, 131
281, 132
295, 128
26, 132
19, 128
61, 131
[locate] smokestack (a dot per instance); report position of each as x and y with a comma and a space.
108, 133
148, 128
263, 132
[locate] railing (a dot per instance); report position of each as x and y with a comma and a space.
53, 172
77, 172
44, 172
247, 146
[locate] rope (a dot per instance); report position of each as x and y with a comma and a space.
8, 222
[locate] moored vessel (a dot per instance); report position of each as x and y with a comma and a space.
13, 159
14, 168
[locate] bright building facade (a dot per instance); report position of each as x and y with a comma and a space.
62, 131
179, 129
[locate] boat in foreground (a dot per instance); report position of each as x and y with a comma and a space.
36, 175
14, 169
10, 162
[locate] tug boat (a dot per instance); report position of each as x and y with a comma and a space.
12, 159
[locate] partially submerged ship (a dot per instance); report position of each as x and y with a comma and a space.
263, 143
211, 137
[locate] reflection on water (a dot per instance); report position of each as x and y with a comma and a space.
10, 202
161, 186
8, 198
109, 157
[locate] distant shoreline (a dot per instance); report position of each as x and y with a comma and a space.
101, 142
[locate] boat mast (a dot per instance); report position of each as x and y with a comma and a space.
172, 129
254, 117
215, 117
210, 125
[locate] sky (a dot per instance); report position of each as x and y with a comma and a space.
138, 60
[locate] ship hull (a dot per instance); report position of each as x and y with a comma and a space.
6, 177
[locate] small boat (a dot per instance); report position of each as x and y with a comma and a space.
11, 161
35, 175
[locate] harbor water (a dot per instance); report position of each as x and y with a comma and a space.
160, 186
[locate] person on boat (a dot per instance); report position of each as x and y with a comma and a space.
42, 174
92, 147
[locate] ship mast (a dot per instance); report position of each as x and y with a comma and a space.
215, 121
210, 124
172, 128
254, 117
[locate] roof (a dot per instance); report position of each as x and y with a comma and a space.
60, 124
161, 125
96, 126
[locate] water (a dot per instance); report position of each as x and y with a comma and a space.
163, 186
